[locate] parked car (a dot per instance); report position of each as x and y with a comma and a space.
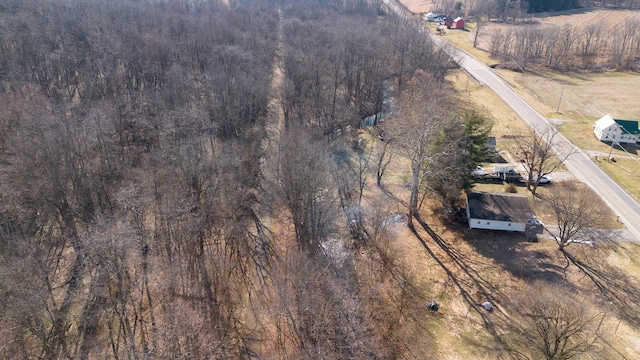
545, 179
479, 172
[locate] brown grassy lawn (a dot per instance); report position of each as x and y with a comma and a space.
506, 122
585, 96
418, 6
625, 172
462, 267
462, 262
467, 266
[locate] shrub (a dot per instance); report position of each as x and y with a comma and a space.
510, 188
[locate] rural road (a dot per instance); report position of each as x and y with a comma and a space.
579, 163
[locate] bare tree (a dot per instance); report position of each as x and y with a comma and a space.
541, 154
423, 115
384, 158
556, 325
480, 31
129, 175
576, 210
580, 218
315, 315
307, 188
624, 41
590, 38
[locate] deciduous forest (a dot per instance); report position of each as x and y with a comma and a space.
178, 178
250, 179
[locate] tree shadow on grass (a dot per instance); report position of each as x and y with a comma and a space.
615, 285
468, 282
512, 253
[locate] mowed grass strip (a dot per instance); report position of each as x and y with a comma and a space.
626, 172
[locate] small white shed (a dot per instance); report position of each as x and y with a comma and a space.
498, 211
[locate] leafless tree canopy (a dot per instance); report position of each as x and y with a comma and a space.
577, 210
140, 216
555, 324
541, 153
568, 47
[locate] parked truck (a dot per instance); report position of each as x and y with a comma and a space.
499, 173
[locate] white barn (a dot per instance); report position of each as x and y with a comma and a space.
608, 129
498, 211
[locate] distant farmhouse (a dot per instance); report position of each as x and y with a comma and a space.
433, 17
502, 212
450, 23
608, 129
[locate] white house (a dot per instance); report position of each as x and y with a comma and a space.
432, 17
499, 212
609, 129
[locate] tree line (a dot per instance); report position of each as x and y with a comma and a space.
514, 10
595, 47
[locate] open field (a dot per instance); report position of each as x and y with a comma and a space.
418, 6
585, 96
583, 17
573, 100
580, 18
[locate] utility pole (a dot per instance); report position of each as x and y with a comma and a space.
610, 150
559, 101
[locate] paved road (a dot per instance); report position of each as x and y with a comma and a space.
579, 163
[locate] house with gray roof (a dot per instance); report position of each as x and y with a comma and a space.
508, 212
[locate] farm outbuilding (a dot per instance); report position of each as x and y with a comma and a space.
448, 22
458, 23
609, 129
501, 212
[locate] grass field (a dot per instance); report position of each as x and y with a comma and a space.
418, 6
574, 101
463, 265
466, 266
625, 172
